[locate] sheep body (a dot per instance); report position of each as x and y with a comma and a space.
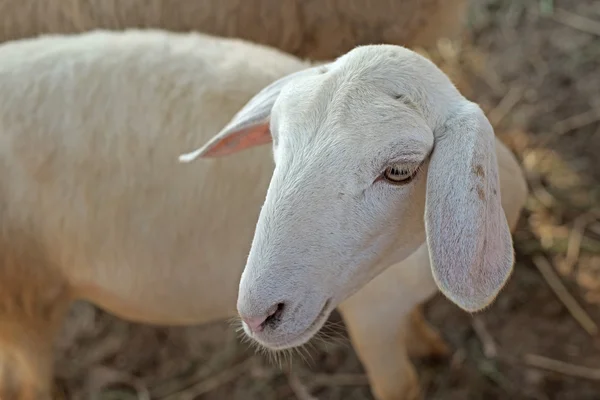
108, 115
317, 29
96, 205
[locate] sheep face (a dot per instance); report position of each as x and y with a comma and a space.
331, 212
355, 172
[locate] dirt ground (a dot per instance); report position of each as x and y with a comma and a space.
535, 68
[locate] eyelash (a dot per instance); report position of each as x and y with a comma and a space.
410, 174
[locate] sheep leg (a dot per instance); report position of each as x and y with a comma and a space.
379, 340
26, 357
33, 303
423, 340
25, 364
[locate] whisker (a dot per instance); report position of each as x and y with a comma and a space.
309, 359
298, 350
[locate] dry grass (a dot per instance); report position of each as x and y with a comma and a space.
533, 65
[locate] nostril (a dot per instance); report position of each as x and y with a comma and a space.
274, 314
272, 317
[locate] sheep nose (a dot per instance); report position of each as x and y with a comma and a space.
257, 323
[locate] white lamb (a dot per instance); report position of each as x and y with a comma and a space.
96, 206
364, 147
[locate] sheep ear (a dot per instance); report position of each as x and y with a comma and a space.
233, 138
470, 245
250, 126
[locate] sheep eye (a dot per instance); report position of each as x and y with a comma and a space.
398, 174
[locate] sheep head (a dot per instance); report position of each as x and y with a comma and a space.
374, 153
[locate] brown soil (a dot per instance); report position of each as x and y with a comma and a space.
535, 67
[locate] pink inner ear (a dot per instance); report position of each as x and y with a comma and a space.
240, 140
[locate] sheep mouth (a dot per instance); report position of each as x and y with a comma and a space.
323, 314
307, 334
